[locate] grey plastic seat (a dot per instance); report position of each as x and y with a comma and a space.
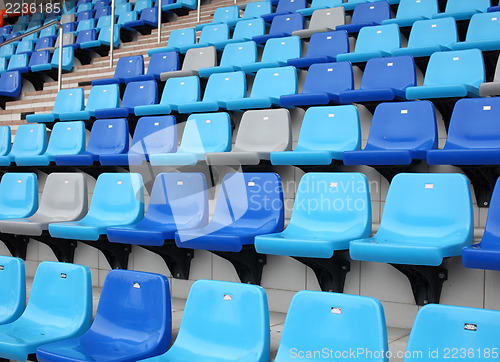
260, 133
491, 88
68, 39
68, 18
64, 198
195, 59
323, 20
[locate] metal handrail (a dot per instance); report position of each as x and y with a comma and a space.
112, 40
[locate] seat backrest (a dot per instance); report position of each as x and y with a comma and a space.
68, 39
393, 72
103, 96
428, 207
69, 27
163, 62
330, 128
149, 15
371, 13
200, 58
155, 134
118, 197
68, 57
100, 4
19, 28
64, 196
103, 22
461, 5
246, 29
411, 8
330, 43
105, 34
456, 67
67, 138
86, 15
214, 33
282, 49
108, 136
43, 43
85, 36
208, 319
85, 25
142, 4
329, 78
129, 66
7, 50
438, 326
12, 288
3, 64
126, 17
433, 32
314, 319
18, 61
24, 46
327, 18
239, 54
69, 100
275, 82
287, 23
225, 14
491, 234
69, 7
50, 31
254, 10
18, 195
68, 18
264, 131
31, 139
24, 19
222, 87
39, 57
290, 6
60, 298
207, 132
405, 125
123, 8
11, 82
140, 94
181, 90
180, 199
181, 37
483, 26
84, 8
378, 38
5, 143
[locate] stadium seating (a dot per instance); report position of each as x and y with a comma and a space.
126, 68
59, 307
234, 56
222, 15
367, 14
148, 19
178, 38
13, 289
491, 88
194, 60
243, 31
67, 101
462, 10
122, 330
100, 97
322, 20
103, 40
260, 133
285, 7
25, 46
253, 10
159, 63
276, 53
31, 140
482, 33
321, 140
5, 140
282, 25
320, 5
210, 35
19, 63
180, 5
10, 84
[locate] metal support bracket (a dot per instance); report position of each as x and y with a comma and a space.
248, 263
178, 260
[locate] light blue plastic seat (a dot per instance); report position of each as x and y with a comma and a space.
30, 140
67, 101
122, 8
268, 86
463, 10
25, 46
178, 38
59, 307
100, 97
451, 74
351, 4
276, 53
374, 42
438, 327
176, 91
222, 15
180, 5
104, 39
118, 199
430, 36
143, 4
3, 65
69, 7
65, 139
18, 195
314, 319
159, 63
482, 33
210, 35
7, 51
133, 322
320, 4
209, 331
234, 56
282, 25
85, 25
19, 62
13, 289
143, 22
220, 88
102, 22
318, 232
203, 133
326, 133
5, 140
244, 31
84, 7
367, 14
253, 10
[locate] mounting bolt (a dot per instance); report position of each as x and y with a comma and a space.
344, 267
260, 260
178, 275
426, 301
441, 275
485, 203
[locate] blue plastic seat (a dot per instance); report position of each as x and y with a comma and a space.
83, 8
178, 201
399, 134
5, 140
104, 11
244, 31
85, 25
222, 15
65, 139
318, 5
210, 35
3, 65
19, 195
123, 329
323, 84
38, 17
276, 53
49, 32
285, 7
268, 86
482, 33
10, 84
451, 74
314, 319
23, 20
203, 133
85, 37
282, 25
180, 4
59, 307
5, 30
122, 8
326, 133
148, 19
384, 79
176, 91
13, 289
44, 43
39, 60
351, 4
100, 97
103, 22
367, 14
253, 10
374, 42
136, 94
427, 217
493, 9
108, 136
85, 15
69, 7
430, 36
67, 100
210, 332
178, 38
25, 46
471, 143
234, 56
69, 28
104, 39
19, 63
126, 68
143, 4
100, 4
323, 48
68, 57
128, 17
7, 51
156, 134
221, 88
438, 326
19, 28
462, 10
118, 199
31, 139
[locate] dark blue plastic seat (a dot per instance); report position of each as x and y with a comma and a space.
86, 36
148, 20
85, 15
103, 40
282, 25
178, 201
367, 14
133, 321
126, 68
10, 84
410, 11
44, 43
13, 289
399, 134
285, 7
